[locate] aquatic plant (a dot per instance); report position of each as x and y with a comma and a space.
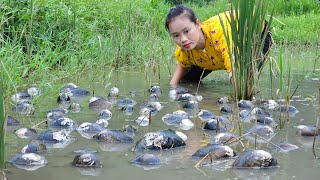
317, 125
246, 25
2, 122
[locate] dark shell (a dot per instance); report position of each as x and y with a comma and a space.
63, 98
260, 112
151, 106
26, 133
304, 130
11, 121
215, 150
113, 136
146, 159
174, 119
190, 105
292, 111
165, 139
64, 122
128, 109
34, 147
67, 87
226, 108
87, 127
225, 138
264, 133
286, 146
154, 97
267, 121
77, 92
28, 159
255, 159
130, 130
105, 114
56, 113
100, 104
181, 90
212, 124
53, 136
155, 89
245, 104
126, 101
205, 115
185, 97
21, 97
24, 108
87, 160
223, 100
261, 130
75, 107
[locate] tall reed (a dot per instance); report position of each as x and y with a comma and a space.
245, 44
2, 122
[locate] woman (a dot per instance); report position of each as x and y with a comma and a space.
202, 47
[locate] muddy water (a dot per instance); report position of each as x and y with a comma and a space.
176, 164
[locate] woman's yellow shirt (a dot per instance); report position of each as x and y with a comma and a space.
215, 55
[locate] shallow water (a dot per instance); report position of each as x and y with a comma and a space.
176, 163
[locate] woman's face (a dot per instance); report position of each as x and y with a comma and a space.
185, 33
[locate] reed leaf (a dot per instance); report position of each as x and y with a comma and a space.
245, 45
2, 123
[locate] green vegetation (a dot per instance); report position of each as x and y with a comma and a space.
246, 47
43, 42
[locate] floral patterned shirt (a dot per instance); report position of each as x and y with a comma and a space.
215, 55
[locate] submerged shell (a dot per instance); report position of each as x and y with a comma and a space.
245, 104
88, 127
215, 150
24, 108
174, 119
212, 124
155, 89
87, 160
56, 113
99, 104
11, 121
225, 138
29, 159
63, 122
205, 115
26, 133
307, 130
165, 139
53, 136
34, 147
255, 159
21, 97
264, 133
226, 108
130, 130
286, 146
105, 114
142, 121
113, 136
292, 111
146, 159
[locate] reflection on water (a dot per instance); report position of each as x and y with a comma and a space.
177, 163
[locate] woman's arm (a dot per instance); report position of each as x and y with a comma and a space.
178, 74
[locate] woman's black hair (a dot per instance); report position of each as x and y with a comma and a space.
179, 10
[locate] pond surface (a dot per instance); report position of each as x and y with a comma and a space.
175, 163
